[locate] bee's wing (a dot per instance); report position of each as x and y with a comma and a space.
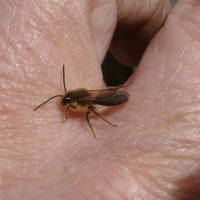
110, 97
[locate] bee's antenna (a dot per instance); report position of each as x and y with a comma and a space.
46, 102
64, 77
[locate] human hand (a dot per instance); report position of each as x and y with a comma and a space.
152, 154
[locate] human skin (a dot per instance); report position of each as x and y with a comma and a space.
152, 154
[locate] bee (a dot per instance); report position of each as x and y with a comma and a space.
84, 100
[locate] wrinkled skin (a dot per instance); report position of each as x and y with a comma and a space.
154, 152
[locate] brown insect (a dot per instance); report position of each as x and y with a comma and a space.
83, 99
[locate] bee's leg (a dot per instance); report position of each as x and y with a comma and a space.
92, 108
88, 121
66, 113
74, 107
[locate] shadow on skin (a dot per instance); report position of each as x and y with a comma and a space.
188, 187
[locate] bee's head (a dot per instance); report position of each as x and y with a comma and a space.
67, 98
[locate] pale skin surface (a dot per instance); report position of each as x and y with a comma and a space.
152, 154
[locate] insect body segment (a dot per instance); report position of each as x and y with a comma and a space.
111, 98
79, 95
83, 99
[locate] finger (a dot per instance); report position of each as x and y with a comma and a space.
138, 21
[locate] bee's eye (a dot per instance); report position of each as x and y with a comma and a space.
66, 100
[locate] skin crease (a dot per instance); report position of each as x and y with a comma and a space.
152, 154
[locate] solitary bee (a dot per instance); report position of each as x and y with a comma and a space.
83, 99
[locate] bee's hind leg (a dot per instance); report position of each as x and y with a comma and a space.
92, 109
